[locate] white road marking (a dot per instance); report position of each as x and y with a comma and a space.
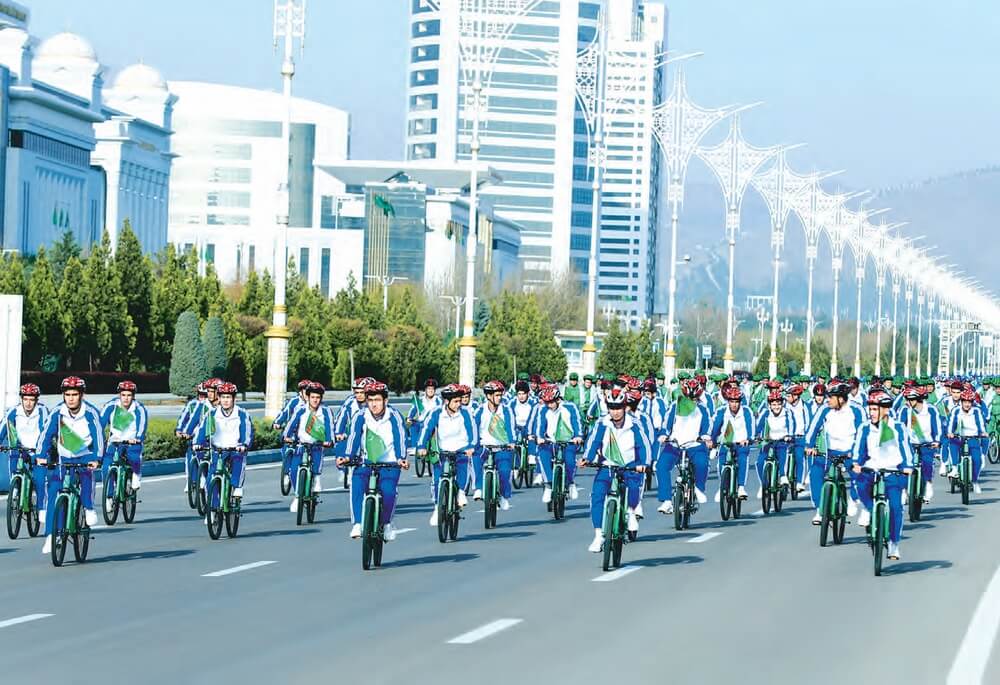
237, 569
405, 530
484, 631
704, 537
22, 619
615, 575
759, 512
974, 653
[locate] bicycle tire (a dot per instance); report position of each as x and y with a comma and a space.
678, 503
826, 521
130, 503
558, 489
688, 506
453, 527
193, 490
608, 532
14, 508
110, 497
725, 501
840, 519
993, 453
442, 510
737, 510
232, 522
59, 535
793, 477
202, 491
914, 496
420, 467
285, 478
377, 547
311, 509
489, 510
214, 515
368, 533
966, 475
34, 523
878, 536
528, 471
616, 555
81, 539
300, 493
778, 499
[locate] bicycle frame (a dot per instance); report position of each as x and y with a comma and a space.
22, 474
559, 468
834, 483
305, 469
121, 469
70, 491
448, 473
224, 472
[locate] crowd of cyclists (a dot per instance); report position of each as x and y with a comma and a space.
635, 432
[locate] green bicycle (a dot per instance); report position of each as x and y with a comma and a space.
223, 506
684, 499
22, 499
523, 473
118, 492
963, 481
614, 523
915, 485
372, 528
304, 482
878, 529
993, 452
774, 493
833, 500
559, 492
491, 484
730, 503
448, 511
68, 520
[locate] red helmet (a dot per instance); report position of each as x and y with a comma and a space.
126, 386
634, 396
819, 389
691, 388
967, 395
549, 393
775, 396
73, 383
796, 390
431, 383
362, 382
633, 383
956, 385
914, 393
536, 379
201, 388
772, 385
466, 390
314, 388
649, 385
30, 390
493, 387
880, 398
615, 398
227, 388
376, 388
214, 383
303, 384
732, 392
450, 392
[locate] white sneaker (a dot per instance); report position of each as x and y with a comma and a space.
295, 505
742, 492
805, 481
185, 489
389, 533
633, 522
976, 489
718, 496
929, 492
434, 517
317, 485
41, 516
864, 518
109, 503
136, 481
546, 495
573, 492
800, 487
894, 551
47, 546
90, 516
201, 482
817, 519
700, 496
760, 492
531, 459
852, 507
477, 495
666, 507
286, 481
943, 471
905, 497
237, 492
355, 531
783, 480
537, 480
953, 472
504, 504
638, 511
598, 542
462, 499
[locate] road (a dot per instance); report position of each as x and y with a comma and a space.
756, 600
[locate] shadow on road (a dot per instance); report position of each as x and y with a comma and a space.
6, 550
665, 537
943, 517
172, 519
136, 556
724, 524
988, 500
278, 533
262, 504
498, 536
334, 520
894, 569
666, 561
437, 559
542, 522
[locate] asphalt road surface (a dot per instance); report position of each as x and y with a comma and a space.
752, 601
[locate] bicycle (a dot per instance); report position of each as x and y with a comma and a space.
195, 491
774, 493
372, 528
614, 525
304, 482
963, 481
730, 503
285, 475
68, 520
878, 529
491, 484
523, 473
684, 500
993, 452
915, 485
22, 498
118, 492
421, 465
559, 493
222, 504
449, 513
833, 501
791, 470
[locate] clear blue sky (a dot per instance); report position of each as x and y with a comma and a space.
890, 90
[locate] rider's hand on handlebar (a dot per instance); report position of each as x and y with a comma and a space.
856, 469
469, 452
404, 464
577, 441
812, 452
342, 461
640, 468
581, 462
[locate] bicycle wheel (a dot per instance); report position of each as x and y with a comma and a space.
109, 502
528, 472
368, 534
202, 491
233, 517
444, 490
453, 525
608, 526
81, 539
490, 508
993, 453
688, 506
914, 497
130, 502
778, 499
59, 534
879, 525
966, 479
420, 466
193, 491
311, 509
301, 490
14, 508
840, 518
377, 548
793, 478
826, 522
215, 515
34, 523
725, 502
766, 494
558, 492
285, 481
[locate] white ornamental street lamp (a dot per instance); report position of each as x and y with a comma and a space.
386, 282
678, 127
920, 320
786, 328
457, 303
484, 25
882, 255
896, 273
931, 304
289, 26
859, 238
836, 230
909, 307
777, 186
734, 163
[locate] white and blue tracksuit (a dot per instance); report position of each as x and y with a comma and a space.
26, 430
840, 429
547, 423
635, 449
421, 406
63, 426
870, 454
683, 430
743, 431
928, 419
292, 405
232, 429
802, 412
967, 424
182, 420
656, 409
774, 428
455, 433
349, 408
504, 459
300, 428
391, 428
132, 425
196, 410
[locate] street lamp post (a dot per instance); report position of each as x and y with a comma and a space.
836, 231
882, 254
920, 322
386, 282
931, 304
289, 26
786, 328
457, 302
762, 318
896, 275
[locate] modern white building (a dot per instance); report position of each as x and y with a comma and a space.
534, 133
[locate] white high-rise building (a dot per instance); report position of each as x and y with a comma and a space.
533, 133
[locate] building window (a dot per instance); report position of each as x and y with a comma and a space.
423, 151
228, 198
210, 253
304, 263
239, 263
578, 241
424, 77
425, 53
581, 265
227, 220
327, 219
230, 175
425, 101
48, 147
422, 127
421, 29
324, 271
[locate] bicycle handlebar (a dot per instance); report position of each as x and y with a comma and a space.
358, 461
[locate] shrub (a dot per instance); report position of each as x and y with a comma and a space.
187, 361
214, 342
161, 443
264, 436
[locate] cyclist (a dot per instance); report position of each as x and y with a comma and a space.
774, 423
75, 433
687, 422
571, 391
946, 405
833, 430
524, 405
377, 434
200, 395
292, 405
802, 412
20, 429
924, 425
618, 440
733, 428
349, 408
557, 421
856, 397
126, 420
227, 427
456, 432
653, 406
423, 404
882, 444
310, 424
966, 420
495, 425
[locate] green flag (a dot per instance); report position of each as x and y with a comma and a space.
12, 439
498, 428
767, 429
727, 437
685, 406
210, 423
315, 428
563, 432
418, 405
433, 449
375, 446
918, 432
69, 440
886, 434
385, 206
614, 453
821, 442
121, 419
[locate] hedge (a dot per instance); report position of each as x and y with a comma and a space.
161, 443
97, 381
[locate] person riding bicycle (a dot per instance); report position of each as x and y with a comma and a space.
653, 406
200, 395
832, 433
856, 396
73, 432
557, 421
311, 424
924, 425
687, 422
456, 432
525, 405
733, 429
126, 420
423, 404
617, 440
882, 444
20, 429
495, 425
292, 405
227, 428
775, 424
377, 435
802, 411
946, 405
349, 408
966, 421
